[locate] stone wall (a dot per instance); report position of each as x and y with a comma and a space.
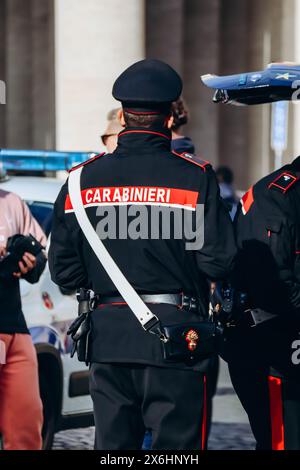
29, 72
94, 41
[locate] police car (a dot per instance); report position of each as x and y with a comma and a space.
48, 309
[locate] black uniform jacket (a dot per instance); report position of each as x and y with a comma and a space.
268, 235
268, 268
142, 170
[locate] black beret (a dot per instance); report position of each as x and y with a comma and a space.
148, 84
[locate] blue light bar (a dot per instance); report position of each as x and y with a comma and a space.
41, 160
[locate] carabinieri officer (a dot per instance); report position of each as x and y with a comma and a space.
132, 386
262, 347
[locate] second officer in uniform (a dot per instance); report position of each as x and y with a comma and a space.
132, 386
261, 347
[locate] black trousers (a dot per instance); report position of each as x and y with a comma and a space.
267, 382
272, 403
130, 398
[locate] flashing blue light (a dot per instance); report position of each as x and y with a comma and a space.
41, 160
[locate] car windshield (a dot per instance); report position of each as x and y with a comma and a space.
42, 212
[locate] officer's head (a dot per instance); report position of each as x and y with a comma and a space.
146, 91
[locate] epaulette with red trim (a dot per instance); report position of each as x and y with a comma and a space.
189, 157
90, 160
284, 182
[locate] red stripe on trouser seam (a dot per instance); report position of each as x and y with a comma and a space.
204, 418
276, 411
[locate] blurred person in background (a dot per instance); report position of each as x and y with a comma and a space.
225, 178
110, 136
180, 143
21, 414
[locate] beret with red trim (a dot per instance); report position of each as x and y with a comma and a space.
148, 85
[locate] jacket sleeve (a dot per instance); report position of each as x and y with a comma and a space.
216, 257
29, 225
65, 259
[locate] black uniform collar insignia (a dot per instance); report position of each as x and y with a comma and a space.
193, 159
90, 160
284, 182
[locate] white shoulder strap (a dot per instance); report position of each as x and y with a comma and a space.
146, 318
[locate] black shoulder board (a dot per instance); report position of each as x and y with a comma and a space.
189, 157
87, 161
284, 182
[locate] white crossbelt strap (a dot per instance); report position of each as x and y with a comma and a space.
130, 296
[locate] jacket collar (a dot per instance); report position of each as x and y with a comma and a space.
143, 138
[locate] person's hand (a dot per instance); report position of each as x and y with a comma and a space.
2, 251
27, 264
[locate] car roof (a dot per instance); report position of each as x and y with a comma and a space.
33, 188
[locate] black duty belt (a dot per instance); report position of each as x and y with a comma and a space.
183, 301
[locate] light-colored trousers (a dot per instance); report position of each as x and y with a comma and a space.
21, 413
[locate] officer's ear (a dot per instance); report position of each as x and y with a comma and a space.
121, 117
169, 121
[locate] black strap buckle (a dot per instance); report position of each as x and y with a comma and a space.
154, 327
189, 303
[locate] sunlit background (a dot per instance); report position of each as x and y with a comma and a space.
59, 59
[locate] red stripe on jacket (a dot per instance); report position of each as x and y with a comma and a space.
130, 195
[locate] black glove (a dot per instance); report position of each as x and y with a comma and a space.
16, 247
229, 304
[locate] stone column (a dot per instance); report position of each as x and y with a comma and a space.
201, 56
94, 41
18, 74
164, 31
283, 49
2, 68
260, 48
234, 121
271, 40
43, 98
265, 44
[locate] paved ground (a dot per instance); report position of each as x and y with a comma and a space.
230, 428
